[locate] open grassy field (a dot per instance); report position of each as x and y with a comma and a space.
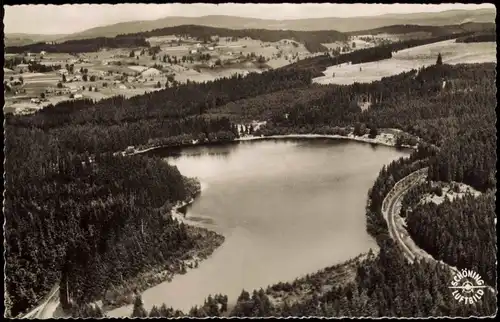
408, 59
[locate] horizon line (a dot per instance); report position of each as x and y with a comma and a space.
203, 16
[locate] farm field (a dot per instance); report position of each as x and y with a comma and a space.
119, 71
408, 59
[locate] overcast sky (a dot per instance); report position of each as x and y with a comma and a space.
64, 19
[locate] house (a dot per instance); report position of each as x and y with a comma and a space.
129, 150
35, 101
43, 53
62, 71
77, 96
122, 86
72, 88
193, 51
198, 45
210, 48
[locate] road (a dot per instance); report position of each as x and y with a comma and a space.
47, 307
390, 208
390, 211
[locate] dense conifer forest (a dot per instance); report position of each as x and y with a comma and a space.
81, 45
86, 221
78, 215
433, 30
448, 231
480, 37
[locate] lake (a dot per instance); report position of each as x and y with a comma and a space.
286, 207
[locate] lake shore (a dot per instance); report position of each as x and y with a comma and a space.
206, 242
157, 277
387, 137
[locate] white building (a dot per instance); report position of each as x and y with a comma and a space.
63, 71
77, 96
193, 51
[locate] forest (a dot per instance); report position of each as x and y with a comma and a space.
470, 157
432, 30
12, 62
415, 102
480, 37
77, 214
35, 67
81, 45
84, 221
448, 230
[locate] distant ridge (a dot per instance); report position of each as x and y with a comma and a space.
450, 17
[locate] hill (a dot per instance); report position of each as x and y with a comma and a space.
20, 39
311, 39
433, 30
450, 17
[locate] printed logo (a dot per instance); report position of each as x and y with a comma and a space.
467, 286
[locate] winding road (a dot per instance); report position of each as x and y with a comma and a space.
390, 210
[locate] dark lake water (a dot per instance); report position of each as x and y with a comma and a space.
286, 207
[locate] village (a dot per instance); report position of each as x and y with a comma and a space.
35, 80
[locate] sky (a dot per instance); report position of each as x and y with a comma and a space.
65, 19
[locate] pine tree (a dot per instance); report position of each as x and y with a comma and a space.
139, 310
155, 312
439, 60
